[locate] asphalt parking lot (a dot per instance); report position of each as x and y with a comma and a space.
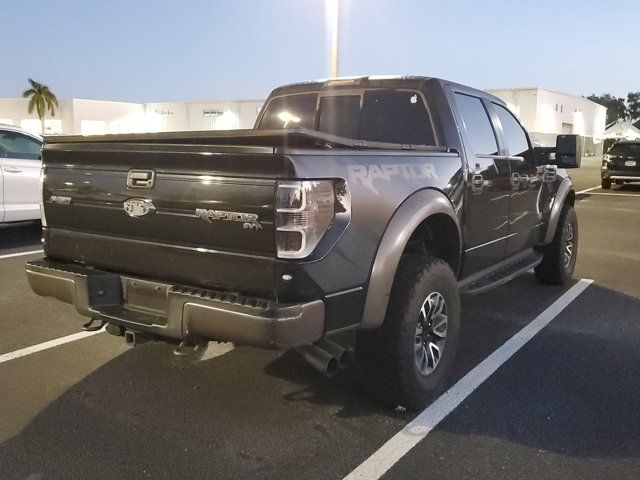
565, 405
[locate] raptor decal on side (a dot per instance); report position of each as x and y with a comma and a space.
366, 174
249, 220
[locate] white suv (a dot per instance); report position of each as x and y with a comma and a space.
20, 164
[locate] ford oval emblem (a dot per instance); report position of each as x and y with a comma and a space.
138, 207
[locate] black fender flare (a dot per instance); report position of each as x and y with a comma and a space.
566, 187
412, 212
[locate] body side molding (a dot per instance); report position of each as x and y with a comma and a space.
413, 211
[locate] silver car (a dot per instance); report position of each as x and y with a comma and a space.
20, 165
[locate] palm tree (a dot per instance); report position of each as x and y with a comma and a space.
41, 99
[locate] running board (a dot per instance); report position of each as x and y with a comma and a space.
501, 275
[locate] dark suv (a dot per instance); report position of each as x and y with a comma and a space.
621, 164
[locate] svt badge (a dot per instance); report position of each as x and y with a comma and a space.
138, 207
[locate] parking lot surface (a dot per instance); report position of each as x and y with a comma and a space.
565, 405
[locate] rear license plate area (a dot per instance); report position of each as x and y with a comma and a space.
630, 163
143, 296
105, 290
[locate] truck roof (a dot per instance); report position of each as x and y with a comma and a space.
375, 81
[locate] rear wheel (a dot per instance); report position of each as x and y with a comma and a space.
559, 257
606, 184
407, 360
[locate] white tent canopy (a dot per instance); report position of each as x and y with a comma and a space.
621, 130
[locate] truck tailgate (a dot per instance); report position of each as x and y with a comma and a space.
193, 225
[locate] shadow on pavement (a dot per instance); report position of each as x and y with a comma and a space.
260, 414
19, 235
627, 187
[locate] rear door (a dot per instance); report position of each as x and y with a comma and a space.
486, 223
1, 193
525, 214
20, 164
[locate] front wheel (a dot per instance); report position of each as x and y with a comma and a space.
606, 184
408, 359
559, 257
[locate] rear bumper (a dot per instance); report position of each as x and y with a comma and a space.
626, 175
176, 311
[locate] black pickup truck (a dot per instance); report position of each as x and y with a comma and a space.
348, 221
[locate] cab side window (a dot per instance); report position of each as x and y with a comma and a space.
477, 124
16, 145
514, 135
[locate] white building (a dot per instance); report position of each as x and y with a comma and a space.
544, 113
90, 117
215, 115
547, 114
76, 116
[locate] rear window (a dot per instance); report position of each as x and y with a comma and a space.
396, 117
632, 149
340, 115
375, 115
290, 111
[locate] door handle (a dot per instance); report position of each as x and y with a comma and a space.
12, 170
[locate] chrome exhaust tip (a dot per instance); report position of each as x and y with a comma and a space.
341, 354
115, 330
320, 359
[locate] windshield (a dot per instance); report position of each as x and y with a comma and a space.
625, 149
376, 115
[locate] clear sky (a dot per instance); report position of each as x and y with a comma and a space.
157, 50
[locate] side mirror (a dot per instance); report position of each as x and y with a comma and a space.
545, 155
568, 151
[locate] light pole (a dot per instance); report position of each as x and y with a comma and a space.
334, 12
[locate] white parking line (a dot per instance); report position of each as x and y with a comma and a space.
400, 444
5, 357
617, 194
588, 189
20, 254
216, 349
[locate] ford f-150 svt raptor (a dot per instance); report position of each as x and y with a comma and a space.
348, 220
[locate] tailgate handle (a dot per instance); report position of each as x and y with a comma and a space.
140, 178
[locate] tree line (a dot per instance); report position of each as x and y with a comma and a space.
620, 108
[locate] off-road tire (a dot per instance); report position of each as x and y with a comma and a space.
606, 184
385, 356
553, 269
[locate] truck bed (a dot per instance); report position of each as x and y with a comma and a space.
290, 137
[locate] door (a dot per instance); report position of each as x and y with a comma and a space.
486, 222
525, 215
20, 164
1, 194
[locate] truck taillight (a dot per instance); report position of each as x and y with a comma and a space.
304, 212
43, 219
